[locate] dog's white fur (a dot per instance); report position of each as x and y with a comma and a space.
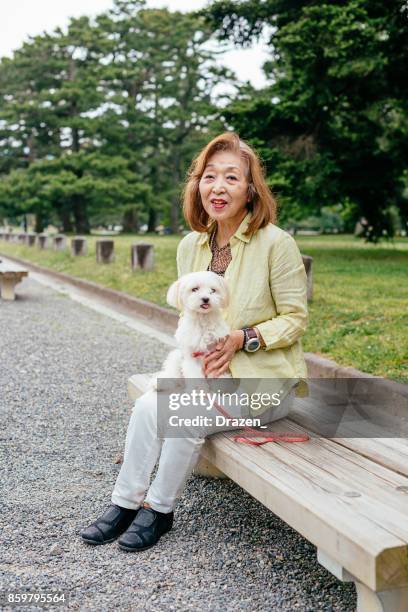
199, 326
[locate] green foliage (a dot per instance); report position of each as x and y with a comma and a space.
333, 125
106, 117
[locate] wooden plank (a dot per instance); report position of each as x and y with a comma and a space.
371, 490
391, 452
388, 452
339, 493
13, 275
6, 269
10, 276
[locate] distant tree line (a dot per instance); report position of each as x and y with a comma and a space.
99, 123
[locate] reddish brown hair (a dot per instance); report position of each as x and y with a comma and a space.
262, 204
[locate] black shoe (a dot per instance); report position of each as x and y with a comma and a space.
113, 522
146, 529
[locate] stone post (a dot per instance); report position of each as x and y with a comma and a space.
60, 242
7, 236
21, 238
79, 246
30, 239
105, 251
42, 241
307, 262
142, 256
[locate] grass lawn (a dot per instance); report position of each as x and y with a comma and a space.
359, 315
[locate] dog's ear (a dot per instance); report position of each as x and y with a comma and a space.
173, 295
224, 292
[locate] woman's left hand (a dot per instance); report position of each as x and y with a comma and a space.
219, 358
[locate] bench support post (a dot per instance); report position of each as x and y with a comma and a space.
393, 600
205, 468
7, 288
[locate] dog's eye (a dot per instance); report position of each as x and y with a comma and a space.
213, 290
194, 289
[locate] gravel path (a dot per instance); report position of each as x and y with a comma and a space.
64, 413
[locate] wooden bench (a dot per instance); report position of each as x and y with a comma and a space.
348, 496
10, 276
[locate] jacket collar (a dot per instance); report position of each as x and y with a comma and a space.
205, 236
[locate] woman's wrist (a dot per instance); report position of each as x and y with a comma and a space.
242, 338
238, 336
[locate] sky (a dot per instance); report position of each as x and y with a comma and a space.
22, 18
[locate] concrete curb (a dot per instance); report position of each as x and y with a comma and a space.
318, 367
146, 310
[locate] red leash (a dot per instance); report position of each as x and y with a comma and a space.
250, 432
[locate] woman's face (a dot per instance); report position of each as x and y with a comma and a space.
224, 188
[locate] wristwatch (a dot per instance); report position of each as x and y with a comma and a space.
251, 340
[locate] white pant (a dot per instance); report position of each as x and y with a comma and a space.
178, 456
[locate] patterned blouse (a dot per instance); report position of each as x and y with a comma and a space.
221, 257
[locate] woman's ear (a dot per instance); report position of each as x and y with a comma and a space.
173, 295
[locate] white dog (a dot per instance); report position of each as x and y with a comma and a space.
200, 296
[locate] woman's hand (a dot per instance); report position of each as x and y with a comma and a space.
217, 361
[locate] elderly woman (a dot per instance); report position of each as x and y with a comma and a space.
232, 212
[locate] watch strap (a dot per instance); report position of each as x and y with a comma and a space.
249, 334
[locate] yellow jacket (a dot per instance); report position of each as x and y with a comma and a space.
267, 282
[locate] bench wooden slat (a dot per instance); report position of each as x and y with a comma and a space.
13, 273
388, 452
351, 483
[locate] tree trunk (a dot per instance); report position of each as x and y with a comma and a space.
174, 215
130, 220
154, 177
39, 223
175, 203
66, 221
151, 223
74, 108
82, 225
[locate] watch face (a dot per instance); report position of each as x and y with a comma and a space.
252, 345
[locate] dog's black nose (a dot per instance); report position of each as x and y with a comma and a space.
205, 300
